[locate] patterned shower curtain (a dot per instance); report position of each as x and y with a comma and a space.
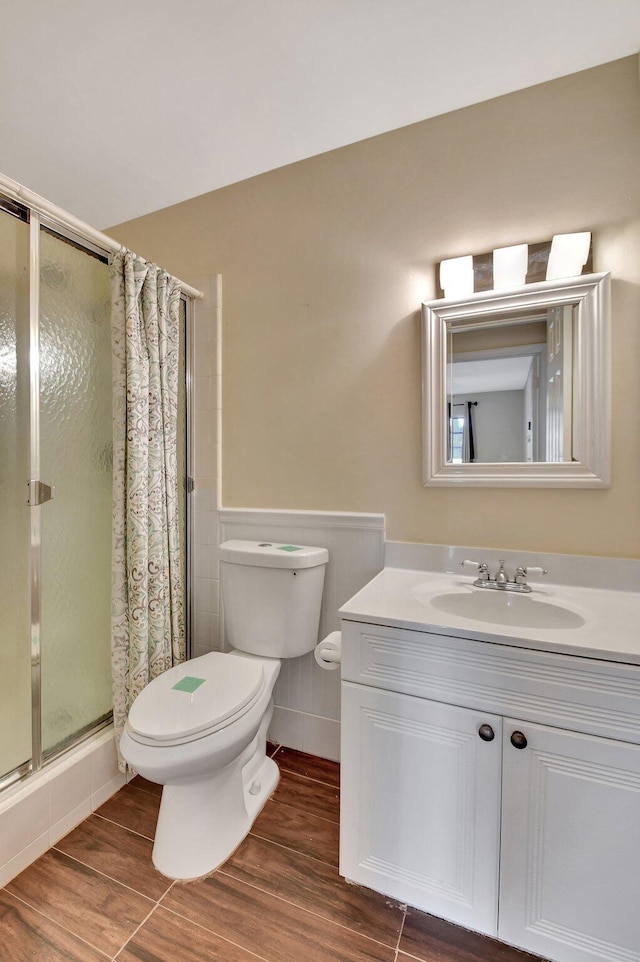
148, 633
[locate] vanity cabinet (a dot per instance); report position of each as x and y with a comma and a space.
420, 803
570, 851
532, 835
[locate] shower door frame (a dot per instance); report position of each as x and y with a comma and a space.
37, 220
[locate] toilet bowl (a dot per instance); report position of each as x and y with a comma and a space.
200, 729
216, 778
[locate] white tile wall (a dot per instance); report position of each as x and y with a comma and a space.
67, 794
36, 813
206, 465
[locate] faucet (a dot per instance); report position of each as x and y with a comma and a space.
501, 579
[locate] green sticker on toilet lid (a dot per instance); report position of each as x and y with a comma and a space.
288, 547
189, 683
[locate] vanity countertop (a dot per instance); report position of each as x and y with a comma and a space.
588, 622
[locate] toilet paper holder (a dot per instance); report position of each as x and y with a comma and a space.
328, 652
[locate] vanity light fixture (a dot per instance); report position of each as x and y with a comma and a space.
456, 276
516, 266
510, 266
568, 255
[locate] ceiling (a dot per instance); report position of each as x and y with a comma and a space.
489, 375
113, 110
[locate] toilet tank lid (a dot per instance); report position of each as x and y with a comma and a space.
272, 554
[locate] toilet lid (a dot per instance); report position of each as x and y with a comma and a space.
195, 697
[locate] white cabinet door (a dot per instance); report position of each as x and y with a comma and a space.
420, 803
570, 863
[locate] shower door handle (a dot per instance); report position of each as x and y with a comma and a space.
39, 493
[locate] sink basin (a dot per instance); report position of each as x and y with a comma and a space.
506, 608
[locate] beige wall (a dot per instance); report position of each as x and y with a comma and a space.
324, 266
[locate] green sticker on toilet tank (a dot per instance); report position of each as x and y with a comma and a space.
289, 547
188, 683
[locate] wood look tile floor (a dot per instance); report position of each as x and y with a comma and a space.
96, 896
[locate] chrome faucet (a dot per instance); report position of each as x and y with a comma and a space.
501, 579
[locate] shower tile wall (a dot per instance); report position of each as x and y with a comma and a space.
206, 467
35, 813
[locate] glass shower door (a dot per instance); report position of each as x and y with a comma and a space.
76, 458
56, 430
15, 660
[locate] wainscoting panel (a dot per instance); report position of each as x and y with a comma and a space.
307, 698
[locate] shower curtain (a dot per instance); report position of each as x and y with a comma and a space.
148, 632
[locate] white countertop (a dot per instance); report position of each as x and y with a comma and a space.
403, 598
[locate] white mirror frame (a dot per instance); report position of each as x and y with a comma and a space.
592, 386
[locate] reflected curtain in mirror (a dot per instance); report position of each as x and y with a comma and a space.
461, 437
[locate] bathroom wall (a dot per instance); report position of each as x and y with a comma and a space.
306, 698
324, 266
498, 424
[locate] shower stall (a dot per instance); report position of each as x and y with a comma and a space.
56, 487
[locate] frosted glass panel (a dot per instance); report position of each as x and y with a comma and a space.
76, 457
15, 660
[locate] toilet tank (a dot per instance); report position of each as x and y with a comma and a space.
272, 594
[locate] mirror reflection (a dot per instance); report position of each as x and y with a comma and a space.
509, 387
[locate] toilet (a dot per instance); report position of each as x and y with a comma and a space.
200, 728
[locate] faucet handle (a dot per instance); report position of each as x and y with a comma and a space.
522, 572
482, 566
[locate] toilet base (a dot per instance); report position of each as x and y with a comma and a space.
202, 822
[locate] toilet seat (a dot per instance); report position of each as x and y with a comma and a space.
215, 690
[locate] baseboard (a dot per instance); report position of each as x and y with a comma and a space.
306, 733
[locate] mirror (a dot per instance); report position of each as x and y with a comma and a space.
516, 386
509, 388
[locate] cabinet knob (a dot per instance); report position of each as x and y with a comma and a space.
486, 733
518, 740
